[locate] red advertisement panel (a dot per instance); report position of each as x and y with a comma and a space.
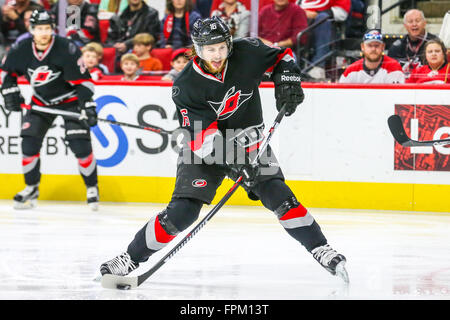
424, 122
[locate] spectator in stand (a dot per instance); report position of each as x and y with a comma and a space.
409, 50
177, 24
91, 61
374, 67
12, 19
26, 21
324, 34
129, 63
99, 49
178, 62
138, 17
436, 67
280, 22
142, 45
236, 16
82, 30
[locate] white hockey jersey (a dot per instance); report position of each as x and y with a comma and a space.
389, 71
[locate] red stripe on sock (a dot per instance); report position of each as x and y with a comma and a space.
28, 160
86, 162
160, 234
298, 212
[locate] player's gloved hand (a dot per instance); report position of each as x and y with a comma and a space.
248, 172
89, 114
288, 91
13, 99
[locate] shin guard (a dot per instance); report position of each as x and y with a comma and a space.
31, 169
300, 224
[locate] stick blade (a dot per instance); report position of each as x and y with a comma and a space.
111, 281
398, 131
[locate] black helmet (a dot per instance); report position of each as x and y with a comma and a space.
41, 16
210, 31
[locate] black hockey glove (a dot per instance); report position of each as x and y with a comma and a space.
247, 171
89, 114
288, 91
13, 99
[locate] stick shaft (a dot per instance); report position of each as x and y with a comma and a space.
76, 115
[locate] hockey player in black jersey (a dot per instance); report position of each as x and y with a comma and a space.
218, 106
53, 67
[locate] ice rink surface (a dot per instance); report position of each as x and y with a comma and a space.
54, 252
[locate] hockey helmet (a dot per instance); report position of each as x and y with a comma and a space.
210, 31
39, 17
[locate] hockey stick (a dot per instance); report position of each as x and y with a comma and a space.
76, 115
398, 131
123, 282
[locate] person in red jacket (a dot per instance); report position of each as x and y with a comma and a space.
280, 22
436, 68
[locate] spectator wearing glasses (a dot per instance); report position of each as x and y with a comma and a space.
374, 67
409, 49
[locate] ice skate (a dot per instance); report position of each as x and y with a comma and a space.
331, 261
121, 265
92, 198
27, 198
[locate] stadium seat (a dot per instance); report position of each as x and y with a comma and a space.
163, 54
104, 26
109, 56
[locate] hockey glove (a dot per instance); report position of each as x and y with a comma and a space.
247, 171
89, 114
13, 99
288, 91
240, 164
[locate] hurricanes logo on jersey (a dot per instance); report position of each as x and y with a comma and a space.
42, 75
231, 102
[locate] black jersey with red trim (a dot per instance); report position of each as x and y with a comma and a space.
56, 75
208, 105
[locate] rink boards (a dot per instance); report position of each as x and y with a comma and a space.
336, 151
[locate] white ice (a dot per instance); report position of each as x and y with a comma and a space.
54, 252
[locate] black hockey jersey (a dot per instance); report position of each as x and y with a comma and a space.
56, 75
208, 105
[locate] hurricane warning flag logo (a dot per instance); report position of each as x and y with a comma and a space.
42, 75
230, 104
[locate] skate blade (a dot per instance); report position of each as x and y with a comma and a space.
30, 204
341, 272
93, 206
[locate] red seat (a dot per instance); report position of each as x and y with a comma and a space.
109, 56
163, 54
104, 26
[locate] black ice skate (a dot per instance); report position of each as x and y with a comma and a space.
27, 198
92, 198
331, 261
121, 265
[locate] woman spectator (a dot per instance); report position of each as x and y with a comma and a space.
236, 16
177, 23
436, 68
